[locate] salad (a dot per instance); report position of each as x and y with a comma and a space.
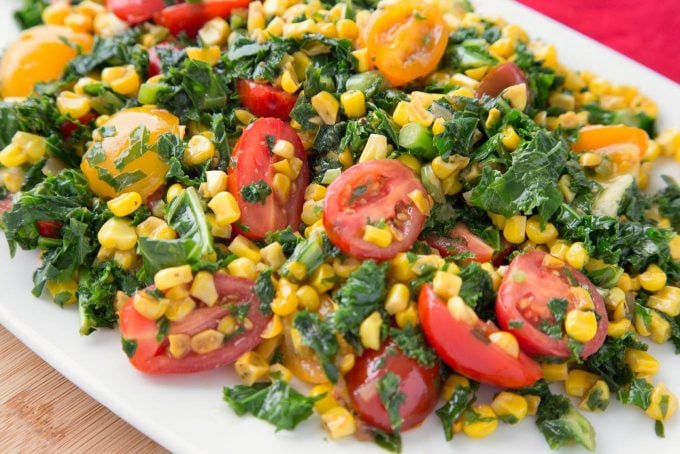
369, 210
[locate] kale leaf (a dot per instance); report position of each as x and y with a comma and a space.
477, 290
668, 201
256, 192
30, 13
319, 337
609, 361
453, 409
392, 398
562, 425
411, 342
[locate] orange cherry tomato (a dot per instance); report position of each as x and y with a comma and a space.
38, 55
406, 40
591, 138
150, 164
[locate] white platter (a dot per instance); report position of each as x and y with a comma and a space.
187, 414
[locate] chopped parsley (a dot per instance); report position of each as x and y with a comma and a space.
256, 192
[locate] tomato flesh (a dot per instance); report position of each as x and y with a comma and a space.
461, 240
151, 356
468, 350
49, 229
264, 100
373, 192
405, 41
252, 162
135, 11
190, 17
420, 386
524, 301
501, 77
5, 204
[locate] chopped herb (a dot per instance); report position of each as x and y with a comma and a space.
392, 398
256, 192
264, 290
129, 347
319, 337
454, 408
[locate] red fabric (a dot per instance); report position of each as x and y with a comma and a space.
644, 30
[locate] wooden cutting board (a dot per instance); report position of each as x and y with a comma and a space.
41, 411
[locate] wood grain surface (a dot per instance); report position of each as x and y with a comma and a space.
41, 411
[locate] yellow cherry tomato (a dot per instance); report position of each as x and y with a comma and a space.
38, 55
107, 164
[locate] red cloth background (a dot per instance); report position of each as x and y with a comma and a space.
644, 30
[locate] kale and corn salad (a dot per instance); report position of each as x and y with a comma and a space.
369, 210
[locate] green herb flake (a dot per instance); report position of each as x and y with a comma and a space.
256, 192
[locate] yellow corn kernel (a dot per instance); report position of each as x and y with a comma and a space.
338, 422
397, 298
576, 255
244, 116
242, 267
375, 148
590, 159
216, 181
444, 169
669, 140
214, 32
452, 383
125, 259
273, 256
170, 277
477, 73
596, 398
493, 117
483, 425
666, 300
108, 24
79, 23
503, 47
515, 229
285, 302
401, 268
312, 211
289, 80
283, 149
446, 285
199, 150
280, 372
64, 290
32, 146
125, 204
363, 60
540, 235
281, 186
555, 371
227, 325
315, 192
322, 278
326, 106
123, 80
256, 16
12, 156
510, 407
663, 403
369, 331
659, 328
618, 328
173, 191
420, 201
325, 403
297, 270
149, 307
179, 308
653, 279
674, 245
353, 103
533, 402
274, 328
179, 345
516, 95
510, 139
308, 298
72, 104
506, 341
203, 288
407, 317
149, 225
347, 29
55, 13
438, 126
580, 325
268, 347
578, 382
381, 237
251, 368
626, 282
13, 179
226, 208
583, 300
461, 311
641, 363
118, 234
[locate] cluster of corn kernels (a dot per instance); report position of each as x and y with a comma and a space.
87, 17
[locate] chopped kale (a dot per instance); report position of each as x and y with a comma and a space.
286, 237
411, 342
392, 398
264, 290
454, 408
30, 13
477, 290
638, 392
319, 337
256, 192
668, 201
562, 425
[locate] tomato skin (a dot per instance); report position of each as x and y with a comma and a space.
151, 356
595, 137
405, 40
252, 161
466, 352
135, 11
190, 17
5, 205
500, 255
67, 128
541, 285
49, 229
264, 100
419, 385
388, 183
461, 240
500, 78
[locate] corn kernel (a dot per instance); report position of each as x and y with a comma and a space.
533, 402
179, 308
516, 95
179, 345
274, 328
125, 259
515, 229
312, 211
199, 150
576, 255
203, 288
555, 371
56, 12
65, 291
226, 208
659, 328
666, 300
338, 422
251, 368
446, 285
123, 80
242, 267
510, 407
381, 237
323, 278
79, 23
272, 256
281, 186
125, 204
315, 192
452, 383
347, 29
285, 302
363, 60
216, 181
108, 24
353, 103
618, 328
581, 325
461, 311
596, 398
227, 325
397, 298
256, 17
653, 279
72, 104
590, 159
170, 277
326, 106
308, 298
540, 235
214, 32
509, 138
482, 424
401, 268
325, 403
506, 341
407, 317
663, 403
641, 363
369, 331
12, 156
148, 306
118, 234
578, 382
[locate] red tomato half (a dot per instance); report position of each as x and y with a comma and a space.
67, 128
263, 100
461, 240
419, 385
151, 356
523, 297
190, 17
375, 192
252, 162
467, 348
49, 229
500, 78
5, 204
135, 11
